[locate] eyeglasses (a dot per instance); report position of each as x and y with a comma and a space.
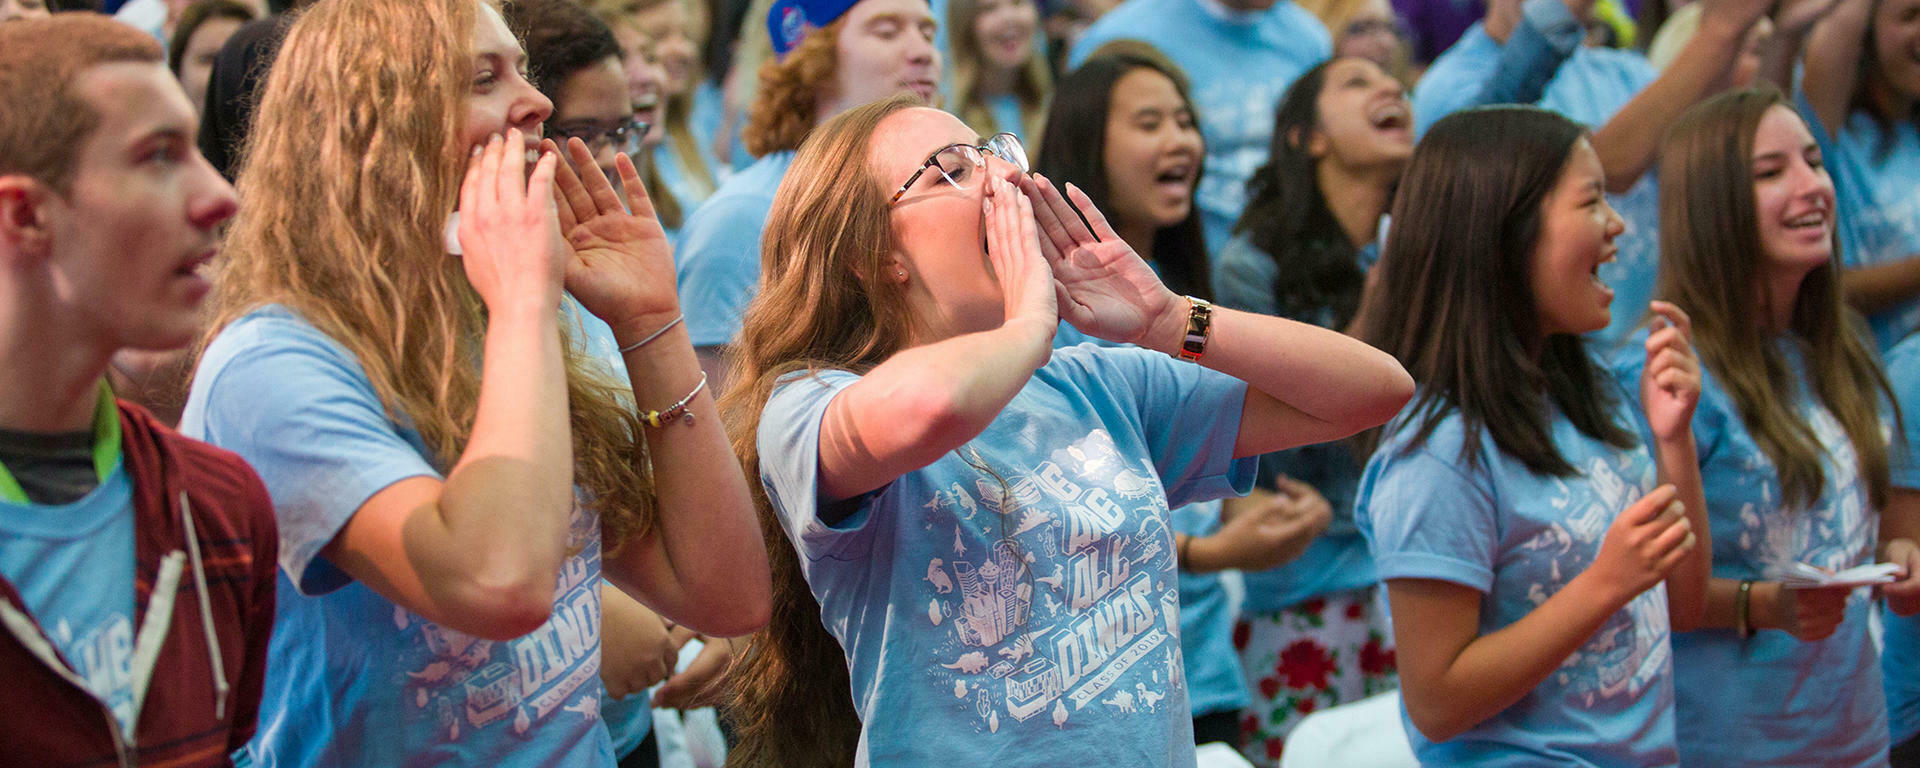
597, 137
957, 162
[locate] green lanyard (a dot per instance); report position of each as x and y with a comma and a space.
106, 447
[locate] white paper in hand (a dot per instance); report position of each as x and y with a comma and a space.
1803, 576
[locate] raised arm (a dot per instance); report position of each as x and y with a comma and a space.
1306, 384
1832, 61
1629, 141
480, 552
705, 563
1544, 34
1793, 21
1454, 678
931, 399
1669, 391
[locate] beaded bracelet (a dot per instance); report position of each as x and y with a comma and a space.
658, 419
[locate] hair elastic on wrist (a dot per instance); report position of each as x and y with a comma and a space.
677, 319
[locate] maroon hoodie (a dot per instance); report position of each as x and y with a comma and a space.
205, 548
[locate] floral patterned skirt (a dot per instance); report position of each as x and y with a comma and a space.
1330, 650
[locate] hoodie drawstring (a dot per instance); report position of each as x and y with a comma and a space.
220, 687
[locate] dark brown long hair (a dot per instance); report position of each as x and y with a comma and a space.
1456, 307
827, 233
1074, 148
1712, 263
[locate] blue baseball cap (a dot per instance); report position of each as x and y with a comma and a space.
789, 21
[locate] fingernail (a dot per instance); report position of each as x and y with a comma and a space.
477, 149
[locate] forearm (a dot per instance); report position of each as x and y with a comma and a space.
1546, 35
501, 516
1496, 670
1628, 142
1679, 466
705, 562
1901, 518
925, 402
1723, 605
1877, 288
1340, 384
1781, 52
1832, 61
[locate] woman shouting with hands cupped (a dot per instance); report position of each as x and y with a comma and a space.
465, 453
982, 519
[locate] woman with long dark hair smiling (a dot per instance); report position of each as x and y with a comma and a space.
1532, 566
1790, 426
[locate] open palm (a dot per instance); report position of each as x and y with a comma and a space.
621, 268
1105, 289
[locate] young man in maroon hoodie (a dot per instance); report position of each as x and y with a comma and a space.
136, 565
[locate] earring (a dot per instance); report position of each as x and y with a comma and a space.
900, 274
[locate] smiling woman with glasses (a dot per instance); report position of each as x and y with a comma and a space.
958, 504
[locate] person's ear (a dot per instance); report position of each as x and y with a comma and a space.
1314, 141
23, 216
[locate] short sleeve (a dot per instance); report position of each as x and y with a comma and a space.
1189, 418
1425, 519
1243, 277
789, 445
299, 408
718, 265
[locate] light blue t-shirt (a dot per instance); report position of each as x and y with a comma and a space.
1771, 700
717, 261
1214, 681
1590, 86
1017, 598
1336, 561
73, 566
1239, 64
1878, 199
1007, 117
352, 678
1900, 658
1518, 538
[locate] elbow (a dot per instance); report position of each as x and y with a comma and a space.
936, 420
1395, 387
503, 609
741, 617
1437, 721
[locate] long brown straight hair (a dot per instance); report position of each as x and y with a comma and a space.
348, 180
1712, 265
828, 233
1456, 307
1032, 83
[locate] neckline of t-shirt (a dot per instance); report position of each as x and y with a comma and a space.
76, 519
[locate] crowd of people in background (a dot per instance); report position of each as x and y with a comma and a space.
895, 382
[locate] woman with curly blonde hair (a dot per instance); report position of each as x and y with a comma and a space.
830, 56
451, 442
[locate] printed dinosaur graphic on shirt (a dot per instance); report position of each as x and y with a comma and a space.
1056, 594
